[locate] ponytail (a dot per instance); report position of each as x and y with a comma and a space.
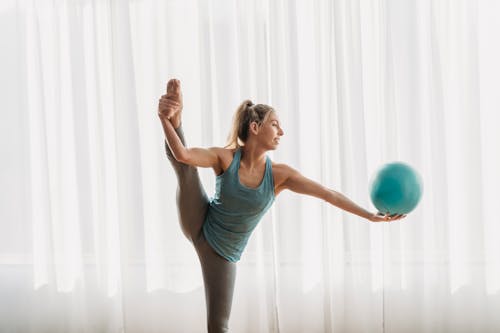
246, 113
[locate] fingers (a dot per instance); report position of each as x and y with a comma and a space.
389, 218
168, 102
392, 217
168, 107
170, 86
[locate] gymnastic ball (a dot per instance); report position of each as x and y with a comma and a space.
396, 188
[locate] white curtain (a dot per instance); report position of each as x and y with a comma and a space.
89, 237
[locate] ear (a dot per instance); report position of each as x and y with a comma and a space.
254, 127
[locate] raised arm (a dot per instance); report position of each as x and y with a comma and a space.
200, 157
293, 180
169, 108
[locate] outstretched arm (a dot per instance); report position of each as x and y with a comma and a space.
296, 182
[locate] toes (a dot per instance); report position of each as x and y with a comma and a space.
174, 91
172, 86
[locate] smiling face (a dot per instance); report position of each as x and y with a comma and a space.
270, 132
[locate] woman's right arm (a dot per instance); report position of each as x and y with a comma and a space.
200, 157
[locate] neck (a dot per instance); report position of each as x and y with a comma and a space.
252, 155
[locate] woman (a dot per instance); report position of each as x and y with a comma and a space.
246, 185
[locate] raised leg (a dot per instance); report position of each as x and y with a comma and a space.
192, 204
192, 201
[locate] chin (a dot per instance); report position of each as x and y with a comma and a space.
272, 146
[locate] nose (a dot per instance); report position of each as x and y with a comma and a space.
280, 133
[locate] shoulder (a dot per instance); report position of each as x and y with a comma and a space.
282, 169
225, 157
223, 153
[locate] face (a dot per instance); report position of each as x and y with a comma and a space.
270, 132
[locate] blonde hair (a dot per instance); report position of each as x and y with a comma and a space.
246, 113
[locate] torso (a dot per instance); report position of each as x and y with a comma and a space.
253, 178
240, 201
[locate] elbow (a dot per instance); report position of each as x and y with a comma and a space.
182, 156
174, 153
178, 154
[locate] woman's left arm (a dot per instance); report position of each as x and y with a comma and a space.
296, 182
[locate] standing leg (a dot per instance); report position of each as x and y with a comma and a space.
219, 276
192, 201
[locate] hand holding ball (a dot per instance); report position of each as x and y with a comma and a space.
396, 188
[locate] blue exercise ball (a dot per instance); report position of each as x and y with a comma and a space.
396, 188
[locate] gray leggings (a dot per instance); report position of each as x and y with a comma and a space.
218, 273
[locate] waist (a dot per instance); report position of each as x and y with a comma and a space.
233, 221
228, 240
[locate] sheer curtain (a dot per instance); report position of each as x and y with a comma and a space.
89, 237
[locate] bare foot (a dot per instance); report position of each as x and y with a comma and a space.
174, 93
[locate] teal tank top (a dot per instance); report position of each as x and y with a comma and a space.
235, 210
